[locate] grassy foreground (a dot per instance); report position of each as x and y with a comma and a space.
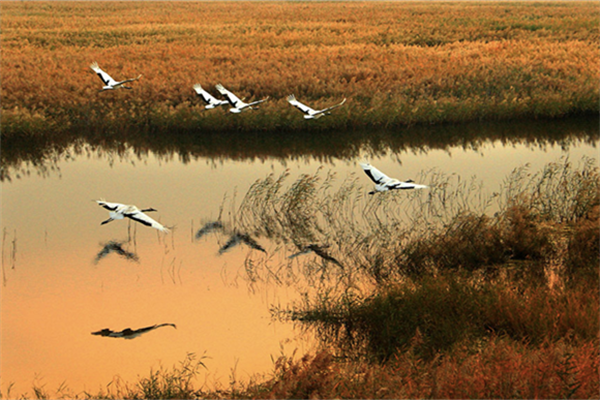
398, 63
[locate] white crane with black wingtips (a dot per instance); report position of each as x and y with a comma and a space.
120, 211
384, 183
110, 83
237, 104
310, 113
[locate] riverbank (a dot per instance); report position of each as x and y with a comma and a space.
397, 64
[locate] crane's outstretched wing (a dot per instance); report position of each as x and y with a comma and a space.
208, 98
129, 80
376, 175
203, 94
302, 107
108, 81
231, 98
332, 107
256, 102
142, 218
109, 206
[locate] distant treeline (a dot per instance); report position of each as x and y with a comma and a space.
40, 153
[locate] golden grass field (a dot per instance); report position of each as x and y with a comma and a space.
397, 63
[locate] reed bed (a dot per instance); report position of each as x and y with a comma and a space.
42, 154
397, 63
454, 225
448, 272
498, 369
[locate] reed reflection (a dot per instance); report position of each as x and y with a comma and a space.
13, 253
394, 235
41, 154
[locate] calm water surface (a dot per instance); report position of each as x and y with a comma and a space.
55, 293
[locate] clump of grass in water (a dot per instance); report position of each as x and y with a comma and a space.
175, 383
394, 236
445, 311
434, 262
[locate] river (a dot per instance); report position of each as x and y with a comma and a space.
57, 290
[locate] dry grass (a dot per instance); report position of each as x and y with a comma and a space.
497, 368
397, 63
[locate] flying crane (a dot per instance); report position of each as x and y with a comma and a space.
120, 211
384, 183
237, 104
310, 113
110, 83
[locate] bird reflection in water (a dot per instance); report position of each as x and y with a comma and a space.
208, 228
235, 237
318, 250
128, 333
115, 247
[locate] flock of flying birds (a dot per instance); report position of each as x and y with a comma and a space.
237, 104
118, 211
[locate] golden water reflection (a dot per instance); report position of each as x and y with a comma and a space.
55, 298
55, 293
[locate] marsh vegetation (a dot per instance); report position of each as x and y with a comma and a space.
398, 63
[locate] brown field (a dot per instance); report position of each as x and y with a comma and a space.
398, 63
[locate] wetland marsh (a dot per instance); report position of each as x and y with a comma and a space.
57, 290
483, 285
